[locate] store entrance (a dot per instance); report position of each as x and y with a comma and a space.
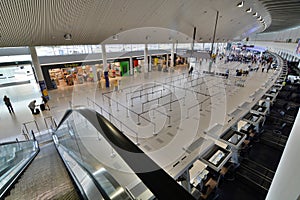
63, 77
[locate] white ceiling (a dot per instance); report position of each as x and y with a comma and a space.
45, 22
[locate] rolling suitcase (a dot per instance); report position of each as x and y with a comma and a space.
37, 111
42, 107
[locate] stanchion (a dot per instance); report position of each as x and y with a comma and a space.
139, 123
137, 140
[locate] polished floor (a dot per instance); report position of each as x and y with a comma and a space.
202, 106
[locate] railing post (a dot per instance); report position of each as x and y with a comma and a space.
37, 127
109, 101
170, 108
137, 140
154, 129
139, 123
33, 136
169, 121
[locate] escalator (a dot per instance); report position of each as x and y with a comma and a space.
255, 175
105, 163
92, 160
43, 175
45, 178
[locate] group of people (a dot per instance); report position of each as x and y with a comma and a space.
44, 106
32, 105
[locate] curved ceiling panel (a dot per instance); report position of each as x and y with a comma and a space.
285, 14
45, 22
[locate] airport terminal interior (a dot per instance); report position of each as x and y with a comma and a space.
146, 100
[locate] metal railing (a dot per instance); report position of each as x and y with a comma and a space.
110, 117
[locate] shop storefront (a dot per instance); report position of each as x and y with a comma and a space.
61, 75
118, 67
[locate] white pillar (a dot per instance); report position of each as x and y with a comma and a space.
38, 72
203, 44
95, 72
130, 65
167, 61
172, 54
36, 64
104, 57
146, 59
150, 63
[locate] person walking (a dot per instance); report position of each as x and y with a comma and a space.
191, 70
269, 67
8, 104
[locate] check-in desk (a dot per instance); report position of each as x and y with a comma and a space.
233, 138
254, 119
198, 173
259, 109
269, 97
277, 86
216, 157
272, 92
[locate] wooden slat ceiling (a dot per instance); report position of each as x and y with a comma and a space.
45, 22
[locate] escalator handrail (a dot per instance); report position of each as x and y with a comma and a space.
14, 142
160, 183
7, 186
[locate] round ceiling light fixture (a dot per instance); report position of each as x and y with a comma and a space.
68, 36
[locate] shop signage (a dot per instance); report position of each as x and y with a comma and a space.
72, 65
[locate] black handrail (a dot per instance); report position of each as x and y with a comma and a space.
161, 184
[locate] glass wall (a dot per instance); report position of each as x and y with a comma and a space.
88, 49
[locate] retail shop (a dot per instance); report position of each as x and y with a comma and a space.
68, 74
61, 75
118, 67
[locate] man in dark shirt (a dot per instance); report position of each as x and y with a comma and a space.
8, 104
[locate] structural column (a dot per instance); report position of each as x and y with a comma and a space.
104, 57
130, 65
150, 63
95, 72
38, 71
167, 61
172, 55
105, 67
146, 59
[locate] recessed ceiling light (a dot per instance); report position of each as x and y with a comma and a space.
259, 18
241, 4
255, 14
249, 10
115, 37
68, 36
